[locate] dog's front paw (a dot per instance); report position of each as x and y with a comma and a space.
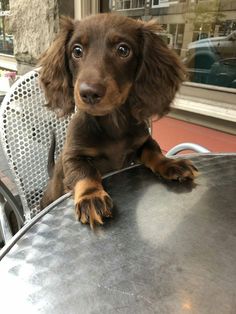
92, 205
176, 169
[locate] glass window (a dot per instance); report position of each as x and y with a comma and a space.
129, 4
201, 32
160, 3
6, 38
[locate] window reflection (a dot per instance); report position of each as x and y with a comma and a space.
129, 4
202, 33
6, 39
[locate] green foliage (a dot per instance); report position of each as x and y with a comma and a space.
4, 5
208, 12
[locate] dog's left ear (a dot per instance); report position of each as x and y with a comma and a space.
55, 75
159, 75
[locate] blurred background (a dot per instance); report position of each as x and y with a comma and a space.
201, 32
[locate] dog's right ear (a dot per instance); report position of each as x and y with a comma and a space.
54, 71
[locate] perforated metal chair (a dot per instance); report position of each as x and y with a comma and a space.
26, 128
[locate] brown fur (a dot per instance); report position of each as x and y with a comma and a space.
109, 131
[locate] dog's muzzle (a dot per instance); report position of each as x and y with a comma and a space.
91, 94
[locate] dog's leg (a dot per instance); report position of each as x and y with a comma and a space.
55, 187
92, 203
170, 169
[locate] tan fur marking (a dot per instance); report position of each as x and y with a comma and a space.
151, 160
112, 99
89, 151
83, 185
170, 169
85, 208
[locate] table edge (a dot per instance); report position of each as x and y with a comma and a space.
27, 226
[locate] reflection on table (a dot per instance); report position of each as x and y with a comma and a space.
170, 248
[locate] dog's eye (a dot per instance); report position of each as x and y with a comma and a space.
77, 51
123, 50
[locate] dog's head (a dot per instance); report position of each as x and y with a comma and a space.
106, 61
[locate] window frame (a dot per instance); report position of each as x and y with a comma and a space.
192, 95
162, 5
206, 105
131, 6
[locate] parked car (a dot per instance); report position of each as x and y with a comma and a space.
216, 52
223, 73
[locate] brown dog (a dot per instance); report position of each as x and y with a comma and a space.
118, 73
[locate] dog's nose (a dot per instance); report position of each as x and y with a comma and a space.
91, 93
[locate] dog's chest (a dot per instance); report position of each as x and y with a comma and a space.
117, 154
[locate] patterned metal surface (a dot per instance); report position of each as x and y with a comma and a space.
26, 131
170, 248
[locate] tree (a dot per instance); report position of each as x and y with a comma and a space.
207, 16
4, 5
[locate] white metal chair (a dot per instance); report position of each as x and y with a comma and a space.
187, 146
26, 128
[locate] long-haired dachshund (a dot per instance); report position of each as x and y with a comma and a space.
118, 73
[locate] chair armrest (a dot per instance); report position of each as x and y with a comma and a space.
187, 146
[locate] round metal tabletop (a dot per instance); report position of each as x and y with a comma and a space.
170, 248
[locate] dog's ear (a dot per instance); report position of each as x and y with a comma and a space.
159, 75
54, 71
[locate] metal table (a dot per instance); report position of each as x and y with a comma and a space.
170, 248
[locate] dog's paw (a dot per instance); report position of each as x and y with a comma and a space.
176, 169
91, 208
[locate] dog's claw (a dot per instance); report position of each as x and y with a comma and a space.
90, 209
77, 212
177, 169
194, 168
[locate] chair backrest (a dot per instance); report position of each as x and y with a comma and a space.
26, 127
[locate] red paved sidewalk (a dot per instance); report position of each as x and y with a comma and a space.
169, 132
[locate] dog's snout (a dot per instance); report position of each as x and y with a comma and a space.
91, 93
